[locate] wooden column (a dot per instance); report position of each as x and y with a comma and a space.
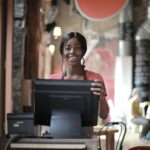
8, 62
2, 62
33, 39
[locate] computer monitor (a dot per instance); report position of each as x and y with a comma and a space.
64, 105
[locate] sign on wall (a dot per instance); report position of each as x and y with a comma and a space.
97, 10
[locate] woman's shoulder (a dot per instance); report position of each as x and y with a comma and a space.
55, 76
93, 75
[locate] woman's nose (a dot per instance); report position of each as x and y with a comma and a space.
73, 51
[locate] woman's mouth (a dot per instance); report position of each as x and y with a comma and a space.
73, 59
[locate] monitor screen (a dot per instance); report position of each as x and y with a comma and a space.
56, 97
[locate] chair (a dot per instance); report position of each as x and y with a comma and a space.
140, 148
145, 108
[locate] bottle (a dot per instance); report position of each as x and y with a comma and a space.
142, 58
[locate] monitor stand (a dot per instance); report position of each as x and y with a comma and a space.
65, 124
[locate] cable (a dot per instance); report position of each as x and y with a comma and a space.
106, 132
125, 130
119, 139
121, 124
99, 143
15, 138
121, 133
12, 139
99, 140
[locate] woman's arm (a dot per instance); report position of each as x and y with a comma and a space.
103, 108
98, 88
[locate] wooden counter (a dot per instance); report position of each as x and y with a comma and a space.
90, 144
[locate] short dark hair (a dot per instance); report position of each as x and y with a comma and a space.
78, 36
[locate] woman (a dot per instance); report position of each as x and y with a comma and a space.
72, 48
136, 112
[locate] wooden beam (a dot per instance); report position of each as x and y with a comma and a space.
8, 62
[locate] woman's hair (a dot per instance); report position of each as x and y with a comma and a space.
78, 36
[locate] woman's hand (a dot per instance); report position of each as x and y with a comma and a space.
98, 88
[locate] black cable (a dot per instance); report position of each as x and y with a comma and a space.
12, 139
99, 139
123, 134
125, 130
106, 133
119, 139
99, 143
15, 138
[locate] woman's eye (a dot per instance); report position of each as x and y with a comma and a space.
78, 48
75, 48
67, 48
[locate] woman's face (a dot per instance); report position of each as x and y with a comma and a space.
73, 52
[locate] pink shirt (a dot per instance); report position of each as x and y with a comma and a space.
89, 75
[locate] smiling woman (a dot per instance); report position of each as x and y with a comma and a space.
98, 9
73, 46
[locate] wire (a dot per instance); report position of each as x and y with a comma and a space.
99, 139
119, 138
125, 130
11, 139
122, 125
15, 138
106, 132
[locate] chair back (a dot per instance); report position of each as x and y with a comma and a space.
140, 148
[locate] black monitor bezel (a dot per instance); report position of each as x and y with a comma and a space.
60, 86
